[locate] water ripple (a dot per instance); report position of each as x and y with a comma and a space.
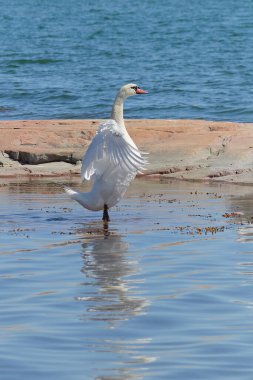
195, 67
164, 291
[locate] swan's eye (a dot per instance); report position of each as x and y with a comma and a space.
135, 88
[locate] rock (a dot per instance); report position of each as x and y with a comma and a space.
183, 149
32, 158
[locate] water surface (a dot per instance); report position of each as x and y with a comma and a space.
62, 59
164, 292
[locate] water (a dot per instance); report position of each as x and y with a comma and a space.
62, 59
166, 292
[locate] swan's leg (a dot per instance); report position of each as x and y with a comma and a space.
105, 214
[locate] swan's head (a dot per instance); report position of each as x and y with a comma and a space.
131, 89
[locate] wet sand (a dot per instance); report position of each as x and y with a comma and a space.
183, 149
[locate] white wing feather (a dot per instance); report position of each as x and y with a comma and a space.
110, 148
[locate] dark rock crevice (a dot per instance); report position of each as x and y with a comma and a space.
29, 158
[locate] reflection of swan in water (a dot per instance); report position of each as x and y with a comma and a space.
113, 297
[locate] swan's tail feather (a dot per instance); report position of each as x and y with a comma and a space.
72, 193
82, 198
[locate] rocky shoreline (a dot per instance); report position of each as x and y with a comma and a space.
182, 149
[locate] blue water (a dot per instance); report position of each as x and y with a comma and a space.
66, 59
166, 292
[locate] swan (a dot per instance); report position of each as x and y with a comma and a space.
111, 161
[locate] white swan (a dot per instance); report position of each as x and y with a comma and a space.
112, 160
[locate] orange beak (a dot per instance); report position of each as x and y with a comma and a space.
140, 91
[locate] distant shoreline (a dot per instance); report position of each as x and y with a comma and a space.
183, 149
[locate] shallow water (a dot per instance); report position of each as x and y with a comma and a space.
165, 292
62, 59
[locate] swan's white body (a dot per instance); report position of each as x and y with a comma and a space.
111, 161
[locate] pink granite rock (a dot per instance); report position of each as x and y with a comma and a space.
184, 149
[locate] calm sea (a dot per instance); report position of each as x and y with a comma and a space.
66, 59
165, 293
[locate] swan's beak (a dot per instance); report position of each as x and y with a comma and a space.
140, 91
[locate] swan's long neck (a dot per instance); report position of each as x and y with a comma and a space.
117, 109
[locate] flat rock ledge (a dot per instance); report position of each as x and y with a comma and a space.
182, 149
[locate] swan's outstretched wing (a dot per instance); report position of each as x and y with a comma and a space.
110, 148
